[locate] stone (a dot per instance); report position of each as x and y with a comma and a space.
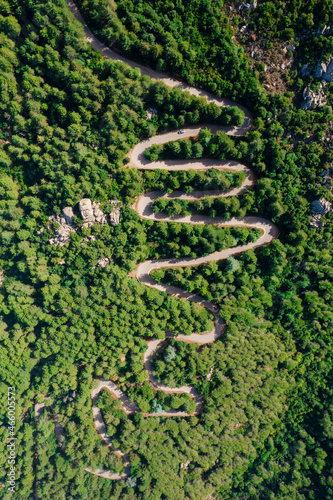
323, 31
103, 262
245, 6
328, 75
311, 99
68, 398
305, 70
210, 374
86, 211
320, 69
67, 213
115, 215
321, 206
318, 209
62, 234
100, 217
91, 214
150, 112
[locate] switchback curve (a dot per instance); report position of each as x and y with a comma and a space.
143, 206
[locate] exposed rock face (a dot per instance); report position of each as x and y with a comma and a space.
327, 181
88, 238
67, 214
150, 112
328, 75
248, 6
311, 99
320, 69
324, 70
115, 215
323, 31
68, 398
210, 374
103, 262
63, 233
305, 70
91, 214
318, 209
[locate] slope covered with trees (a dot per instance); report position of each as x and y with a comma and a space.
68, 119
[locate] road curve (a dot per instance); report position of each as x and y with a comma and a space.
143, 206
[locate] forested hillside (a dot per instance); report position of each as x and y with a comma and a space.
68, 119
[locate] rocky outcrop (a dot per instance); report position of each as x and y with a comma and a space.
324, 30
150, 112
68, 398
305, 71
91, 214
248, 6
324, 70
327, 179
67, 226
320, 69
115, 214
311, 99
103, 262
328, 75
68, 214
318, 209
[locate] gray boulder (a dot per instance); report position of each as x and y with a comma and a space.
328, 75
67, 213
305, 70
311, 99
86, 211
320, 69
321, 206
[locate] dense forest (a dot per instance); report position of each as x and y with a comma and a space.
69, 117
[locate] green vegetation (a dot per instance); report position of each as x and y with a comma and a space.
191, 38
68, 119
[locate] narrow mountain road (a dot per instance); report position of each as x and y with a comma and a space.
143, 206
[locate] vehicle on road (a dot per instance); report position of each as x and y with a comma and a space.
181, 131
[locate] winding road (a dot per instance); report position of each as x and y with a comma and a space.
143, 206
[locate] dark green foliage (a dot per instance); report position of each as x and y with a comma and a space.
68, 118
190, 38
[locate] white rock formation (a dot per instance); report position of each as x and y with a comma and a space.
91, 214
103, 262
320, 69
248, 6
328, 75
67, 214
311, 99
318, 209
150, 112
305, 70
63, 233
327, 181
69, 398
115, 215
323, 31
